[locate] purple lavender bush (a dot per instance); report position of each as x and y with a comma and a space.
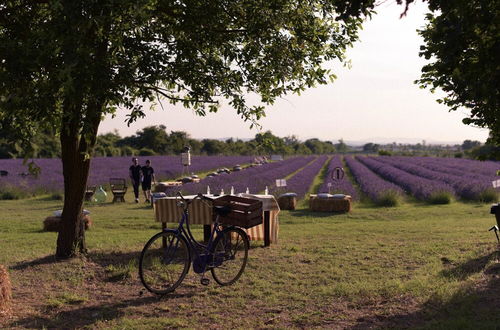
17, 182
467, 186
380, 191
485, 168
343, 186
434, 192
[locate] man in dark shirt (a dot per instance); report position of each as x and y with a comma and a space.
148, 176
135, 174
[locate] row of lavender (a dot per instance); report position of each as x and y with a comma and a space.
419, 187
343, 186
465, 183
301, 182
103, 168
376, 188
434, 180
255, 178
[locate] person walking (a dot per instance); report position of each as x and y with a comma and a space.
135, 174
148, 176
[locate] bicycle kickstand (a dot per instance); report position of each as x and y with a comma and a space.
495, 229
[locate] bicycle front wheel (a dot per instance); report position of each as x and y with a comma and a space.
164, 262
230, 255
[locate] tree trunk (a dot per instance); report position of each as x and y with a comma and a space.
71, 237
76, 149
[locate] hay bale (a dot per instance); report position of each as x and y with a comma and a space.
287, 202
330, 204
5, 291
52, 223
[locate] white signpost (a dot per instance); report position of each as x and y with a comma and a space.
280, 182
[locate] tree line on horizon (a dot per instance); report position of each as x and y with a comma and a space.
155, 140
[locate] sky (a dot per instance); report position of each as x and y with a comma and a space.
375, 100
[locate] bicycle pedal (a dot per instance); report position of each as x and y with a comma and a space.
205, 281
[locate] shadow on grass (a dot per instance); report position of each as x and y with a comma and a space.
87, 316
470, 267
51, 259
308, 213
472, 307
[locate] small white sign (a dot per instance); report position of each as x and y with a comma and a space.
280, 183
496, 183
329, 184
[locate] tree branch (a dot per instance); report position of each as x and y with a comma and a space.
160, 91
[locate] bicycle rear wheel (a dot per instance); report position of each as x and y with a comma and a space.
164, 262
230, 255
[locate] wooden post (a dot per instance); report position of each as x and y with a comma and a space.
267, 228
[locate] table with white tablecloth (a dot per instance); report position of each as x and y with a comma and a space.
200, 211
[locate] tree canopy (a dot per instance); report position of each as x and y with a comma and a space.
462, 42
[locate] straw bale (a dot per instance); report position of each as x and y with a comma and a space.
330, 204
287, 202
5, 291
52, 223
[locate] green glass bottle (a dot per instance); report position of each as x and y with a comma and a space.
100, 195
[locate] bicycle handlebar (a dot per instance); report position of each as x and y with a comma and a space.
189, 201
200, 195
180, 195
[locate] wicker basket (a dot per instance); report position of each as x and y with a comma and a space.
245, 212
330, 204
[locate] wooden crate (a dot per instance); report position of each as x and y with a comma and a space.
245, 212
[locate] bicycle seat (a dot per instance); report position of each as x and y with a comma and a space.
222, 210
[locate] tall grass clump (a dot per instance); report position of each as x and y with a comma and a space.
8, 192
489, 195
388, 198
440, 197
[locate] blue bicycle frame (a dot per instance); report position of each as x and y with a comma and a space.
202, 255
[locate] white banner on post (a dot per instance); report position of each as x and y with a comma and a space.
280, 183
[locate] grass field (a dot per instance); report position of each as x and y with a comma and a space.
412, 266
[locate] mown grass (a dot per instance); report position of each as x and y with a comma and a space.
414, 265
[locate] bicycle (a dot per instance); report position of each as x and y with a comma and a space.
166, 258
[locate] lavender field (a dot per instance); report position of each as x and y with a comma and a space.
428, 179
103, 168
